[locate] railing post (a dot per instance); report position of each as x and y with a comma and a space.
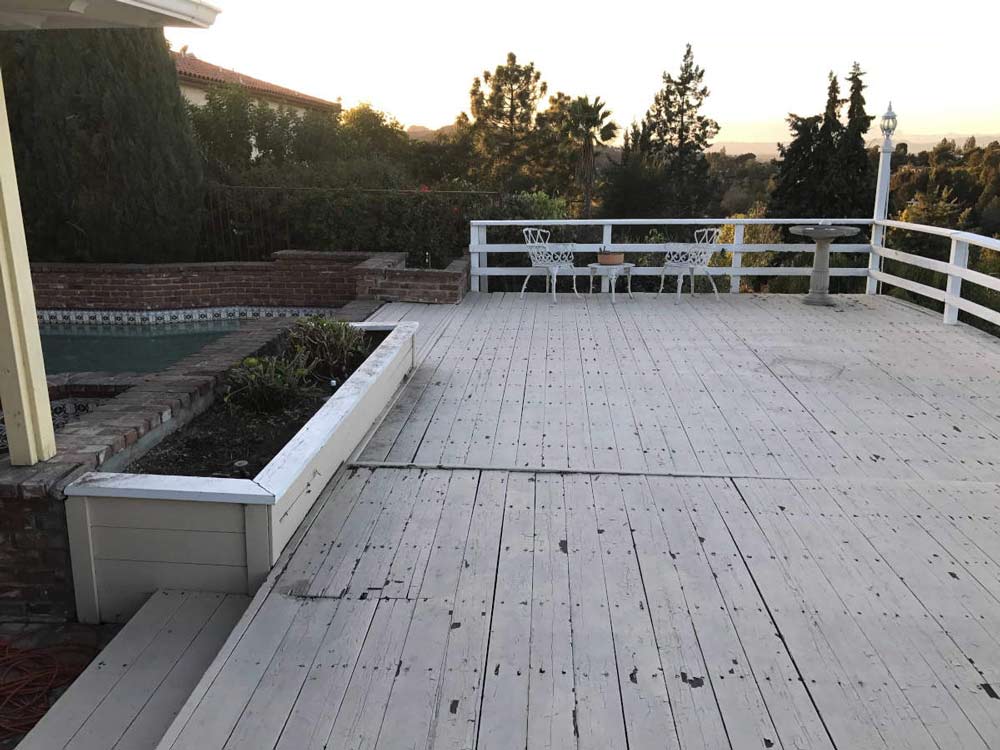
737, 258
473, 258
874, 259
484, 262
881, 212
605, 240
959, 259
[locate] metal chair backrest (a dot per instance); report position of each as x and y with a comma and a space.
537, 241
709, 236
694, 257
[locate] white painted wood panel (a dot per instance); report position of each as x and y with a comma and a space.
169, 545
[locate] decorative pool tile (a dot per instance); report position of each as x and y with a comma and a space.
167, 317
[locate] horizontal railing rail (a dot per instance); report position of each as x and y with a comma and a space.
480, 248
955, 269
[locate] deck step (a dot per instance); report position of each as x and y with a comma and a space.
131, 692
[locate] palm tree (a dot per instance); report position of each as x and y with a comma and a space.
587, 126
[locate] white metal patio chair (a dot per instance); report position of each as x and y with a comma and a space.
550, 259
691, 259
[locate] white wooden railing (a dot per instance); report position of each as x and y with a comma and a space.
956, 268
480, 248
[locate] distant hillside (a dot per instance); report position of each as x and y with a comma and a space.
420, 133
762, 149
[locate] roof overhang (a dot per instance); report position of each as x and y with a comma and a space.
92, 14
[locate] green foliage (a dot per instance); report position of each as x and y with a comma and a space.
335, 348
107, 168
743, 179
266, 384
971, 178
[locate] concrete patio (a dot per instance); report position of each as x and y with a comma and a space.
742, 523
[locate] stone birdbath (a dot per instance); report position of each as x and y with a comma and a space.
819, 282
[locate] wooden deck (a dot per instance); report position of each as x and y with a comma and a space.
734, 524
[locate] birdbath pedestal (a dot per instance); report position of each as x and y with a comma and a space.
819, 282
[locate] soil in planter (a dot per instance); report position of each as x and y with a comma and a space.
228, 442
238, 442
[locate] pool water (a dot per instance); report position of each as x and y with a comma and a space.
104, 348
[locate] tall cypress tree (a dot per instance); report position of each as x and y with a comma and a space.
855, 176
825, 169
107, 167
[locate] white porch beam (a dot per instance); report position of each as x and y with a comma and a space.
90, 14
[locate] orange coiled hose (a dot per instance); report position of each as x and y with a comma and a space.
27, 678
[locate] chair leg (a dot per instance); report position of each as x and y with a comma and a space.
524, 286
663, 278
711, 281
575, 293
691, 268
680, 285
555, 277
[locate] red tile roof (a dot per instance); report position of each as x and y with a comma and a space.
203, 74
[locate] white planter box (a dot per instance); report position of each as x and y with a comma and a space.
131, 534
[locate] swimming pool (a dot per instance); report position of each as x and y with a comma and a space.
74, 347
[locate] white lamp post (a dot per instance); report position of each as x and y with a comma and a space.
23, 388
888, 127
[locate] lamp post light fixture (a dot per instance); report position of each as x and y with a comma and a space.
888, 123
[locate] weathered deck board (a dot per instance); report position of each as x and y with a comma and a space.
741, 523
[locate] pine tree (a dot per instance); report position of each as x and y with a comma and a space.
675, 134
503, 105
663, 170
107, 167
676, 127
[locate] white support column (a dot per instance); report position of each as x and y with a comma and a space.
484, 261
605, 240
473, 258
888, 126
23, 389
737, 259
960, 259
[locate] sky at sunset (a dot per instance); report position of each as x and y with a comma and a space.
762, 60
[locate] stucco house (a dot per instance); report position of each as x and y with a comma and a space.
196, 77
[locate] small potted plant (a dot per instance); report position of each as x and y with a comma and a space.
608, 257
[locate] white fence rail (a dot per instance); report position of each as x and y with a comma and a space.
956, 268
480, 248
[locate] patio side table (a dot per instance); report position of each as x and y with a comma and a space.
612, 272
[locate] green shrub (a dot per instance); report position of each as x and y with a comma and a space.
335, 348
265, 384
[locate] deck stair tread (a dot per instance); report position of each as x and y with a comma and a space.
131, 692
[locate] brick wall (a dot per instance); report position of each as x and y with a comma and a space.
397, 284
295, 278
